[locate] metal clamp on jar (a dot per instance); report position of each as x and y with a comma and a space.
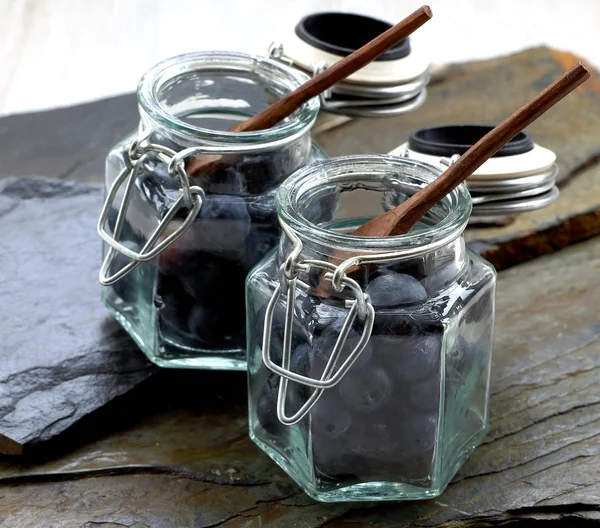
393, 84
519, 178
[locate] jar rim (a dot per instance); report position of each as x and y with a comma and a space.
162, 73
324, 172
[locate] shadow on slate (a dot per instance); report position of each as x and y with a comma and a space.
66, 143
61, 354
175, 452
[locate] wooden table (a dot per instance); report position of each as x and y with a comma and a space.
174, 452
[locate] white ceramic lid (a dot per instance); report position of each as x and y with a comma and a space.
392, 72
538, 159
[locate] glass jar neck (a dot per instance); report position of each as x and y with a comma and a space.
323, 203
193, 99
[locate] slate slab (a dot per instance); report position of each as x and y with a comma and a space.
61, 355
487, 92
67, 143
175, 452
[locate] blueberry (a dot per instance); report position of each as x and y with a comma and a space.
374, 439
330, 458
331, 319
266, 408
174, 308
228, 180
391, 290
180, 256
417, 432
258, 243
222, 228
458, 355
367, 389
393, 324
425, 395
277, 331
410, 357
326, 343
213, 325
214, 280
329, 417
300, 362
414, 267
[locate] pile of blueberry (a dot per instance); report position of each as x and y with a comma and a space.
381, 421
201, 277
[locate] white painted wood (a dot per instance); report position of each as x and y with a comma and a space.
62, 52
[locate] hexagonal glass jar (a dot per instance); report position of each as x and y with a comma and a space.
186, 307
377, 387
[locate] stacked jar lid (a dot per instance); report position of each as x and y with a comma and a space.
393, 84
520, 177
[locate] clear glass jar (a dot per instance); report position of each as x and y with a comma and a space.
377, 386
185, 306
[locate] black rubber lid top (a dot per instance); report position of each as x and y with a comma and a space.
457, 139
343, 33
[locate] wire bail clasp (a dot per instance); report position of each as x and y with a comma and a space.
191, 197
360, 308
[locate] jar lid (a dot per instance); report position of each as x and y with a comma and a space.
343, 33
316, 40
392, 84
520, 177
457, 139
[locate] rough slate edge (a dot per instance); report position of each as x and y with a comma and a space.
576, 215
175, 452
62, 355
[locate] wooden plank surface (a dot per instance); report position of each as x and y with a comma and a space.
176, 453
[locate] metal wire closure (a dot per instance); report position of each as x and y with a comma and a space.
359, 308
275, 51
191, 197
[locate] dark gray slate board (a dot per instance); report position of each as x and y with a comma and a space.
61, 354
66, 143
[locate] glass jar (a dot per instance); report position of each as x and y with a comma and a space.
177, 256
369, 357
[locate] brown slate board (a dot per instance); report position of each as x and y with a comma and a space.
61, 354
176, 453
486, 93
